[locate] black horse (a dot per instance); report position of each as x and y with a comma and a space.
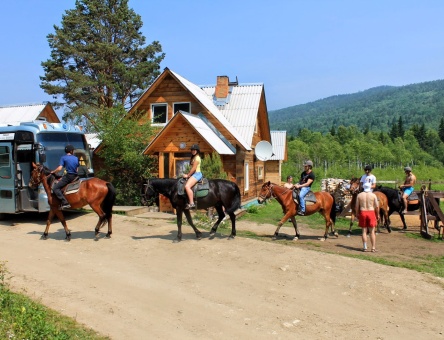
395, 204
222, 194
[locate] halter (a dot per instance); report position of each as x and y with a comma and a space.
269, 191
34, 182
149, 186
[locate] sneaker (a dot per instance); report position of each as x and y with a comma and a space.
190, 206
301, 213
65, 206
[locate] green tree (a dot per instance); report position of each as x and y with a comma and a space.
98, 60
441, 129
123, 141
212, 167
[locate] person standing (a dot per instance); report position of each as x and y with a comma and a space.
71, 165
368, 177
367, 212
194, 176
407, 188
307, 179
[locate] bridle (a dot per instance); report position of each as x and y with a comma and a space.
35, 180
148, 186
269, 192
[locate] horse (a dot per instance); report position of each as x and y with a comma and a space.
395, 204
325, 205
222, 194
383, 206
99, 194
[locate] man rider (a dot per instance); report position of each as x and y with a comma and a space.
307, 178
71, 164
407, 187
368, 177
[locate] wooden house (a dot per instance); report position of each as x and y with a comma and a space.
228, 118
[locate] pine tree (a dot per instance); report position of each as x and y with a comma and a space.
98, 59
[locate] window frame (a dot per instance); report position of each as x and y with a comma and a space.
153, 106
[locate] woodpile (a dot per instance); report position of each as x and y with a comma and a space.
339, 189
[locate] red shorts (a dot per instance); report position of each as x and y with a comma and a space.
367, 219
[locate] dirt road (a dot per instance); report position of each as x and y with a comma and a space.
140, 284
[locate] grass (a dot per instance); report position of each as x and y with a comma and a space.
271, 213
23, 318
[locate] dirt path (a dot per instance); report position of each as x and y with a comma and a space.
140, 284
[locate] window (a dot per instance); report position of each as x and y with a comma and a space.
159, 113
260, 172
185, 107
5, 164
247, 177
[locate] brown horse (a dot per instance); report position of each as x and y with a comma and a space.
383, 206
100, 195
325, 205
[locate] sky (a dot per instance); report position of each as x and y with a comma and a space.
300, 50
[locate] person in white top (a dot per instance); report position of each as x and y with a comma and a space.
368, 177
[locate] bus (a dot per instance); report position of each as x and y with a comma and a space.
34, 142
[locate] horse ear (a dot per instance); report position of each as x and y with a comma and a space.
34, 165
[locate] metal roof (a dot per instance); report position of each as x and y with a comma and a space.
14, 115
240, 108
207, 101
208, 134
278, 141
93, 140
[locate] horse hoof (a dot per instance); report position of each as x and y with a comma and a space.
389, 230
108, 235
231, 237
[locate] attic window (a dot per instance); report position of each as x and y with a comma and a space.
159, 113
184, 107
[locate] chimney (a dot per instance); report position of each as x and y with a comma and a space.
222, 87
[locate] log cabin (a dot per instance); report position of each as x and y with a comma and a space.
228, 118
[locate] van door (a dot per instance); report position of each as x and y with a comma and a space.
7, 180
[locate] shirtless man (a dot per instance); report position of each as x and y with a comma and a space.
407, 187
367, 211
289, 184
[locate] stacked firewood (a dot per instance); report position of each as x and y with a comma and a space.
339, 189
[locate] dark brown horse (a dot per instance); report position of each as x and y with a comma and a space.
325, 205
383, 206
222, 194
100, 195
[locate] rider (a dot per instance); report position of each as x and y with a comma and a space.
194, 175
407, 187
368, 177
289, 184
307, 178
71, 164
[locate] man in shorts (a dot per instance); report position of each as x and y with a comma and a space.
367, 211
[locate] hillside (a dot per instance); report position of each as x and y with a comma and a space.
376, 108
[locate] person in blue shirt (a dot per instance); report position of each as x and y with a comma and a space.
71, 165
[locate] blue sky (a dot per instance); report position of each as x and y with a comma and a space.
301, 50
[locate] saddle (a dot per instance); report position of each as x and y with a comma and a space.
411, 199
71, 188
200, 189
310, 198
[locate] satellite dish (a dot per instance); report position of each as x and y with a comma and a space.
263, 151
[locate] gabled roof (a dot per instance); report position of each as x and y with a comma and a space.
200, 125
14, 115
203, 98
279, 143
242, 107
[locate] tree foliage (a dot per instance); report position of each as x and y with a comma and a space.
123, 141
98, 60
212, 167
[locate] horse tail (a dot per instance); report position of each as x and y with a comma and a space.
235, 203
109, 201
333, 210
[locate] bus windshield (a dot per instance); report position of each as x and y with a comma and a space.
55, 143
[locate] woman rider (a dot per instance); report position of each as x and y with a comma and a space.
193, 176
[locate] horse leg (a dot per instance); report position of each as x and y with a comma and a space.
403, 221
352, 220
102, 220
221, 215
233, 225
48, 223
190, 221
60, 216
295, 225
387, 221
282, 221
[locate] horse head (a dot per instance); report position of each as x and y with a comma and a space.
149, 194
265, 193
36, 175
354, 185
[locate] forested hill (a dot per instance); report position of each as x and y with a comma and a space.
376, 109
